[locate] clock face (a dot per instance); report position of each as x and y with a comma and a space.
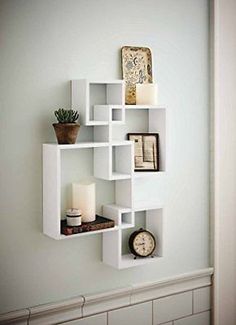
143, 243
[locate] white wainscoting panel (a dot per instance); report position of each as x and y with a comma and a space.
172, 307
134, 315
180, 300
100, 319
201, 300
171, 285
197, 319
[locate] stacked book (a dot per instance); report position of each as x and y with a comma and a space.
98, 224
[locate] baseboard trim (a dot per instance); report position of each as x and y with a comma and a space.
81, 306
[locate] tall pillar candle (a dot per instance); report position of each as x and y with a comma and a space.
146, 94
83, 198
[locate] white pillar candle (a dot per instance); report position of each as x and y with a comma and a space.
83, 198
146, 94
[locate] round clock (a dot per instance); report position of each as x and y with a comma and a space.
142, 243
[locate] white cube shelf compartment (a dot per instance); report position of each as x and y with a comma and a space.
118, 115
102, 108
102, 167
86, 95
127, 220
114, 162
144, 119
110, 114
112, 243
101, 133
123, 217
122, 160
154, 222
124, 192
52, 154
52, 185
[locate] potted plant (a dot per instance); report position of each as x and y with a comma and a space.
66, 129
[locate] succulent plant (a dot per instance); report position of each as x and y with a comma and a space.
66, 115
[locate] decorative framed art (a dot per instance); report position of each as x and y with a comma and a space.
146, 151
136, 68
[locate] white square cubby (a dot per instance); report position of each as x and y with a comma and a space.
114, 162
101, 163
141, 119
151, 220
118, 115
121, 160
86, 95
123, 217
62, 166
115, 246
101, 133
109, 114
127, 220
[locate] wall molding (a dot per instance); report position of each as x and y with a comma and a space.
97, 303
171, 285
81, 306
57, 312
15, 317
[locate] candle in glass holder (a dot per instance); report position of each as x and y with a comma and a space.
146, 94
83, 198
73, 217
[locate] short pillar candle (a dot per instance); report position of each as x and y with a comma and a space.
146, 94
83, 198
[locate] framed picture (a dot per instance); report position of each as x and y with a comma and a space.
146, 151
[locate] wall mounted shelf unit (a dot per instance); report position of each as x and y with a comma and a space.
102, 108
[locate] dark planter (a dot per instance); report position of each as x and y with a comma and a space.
66, 132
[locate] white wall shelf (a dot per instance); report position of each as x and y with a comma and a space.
95, 122
157, 174
132, 107
89, 233
79, 145
102, 107
128, 261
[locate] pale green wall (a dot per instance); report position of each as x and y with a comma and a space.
44, 44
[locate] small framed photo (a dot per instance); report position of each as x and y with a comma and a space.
146, 151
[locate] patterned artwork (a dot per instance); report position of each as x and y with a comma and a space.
136, 68
145, 151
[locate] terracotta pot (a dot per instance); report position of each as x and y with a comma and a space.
66, 132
